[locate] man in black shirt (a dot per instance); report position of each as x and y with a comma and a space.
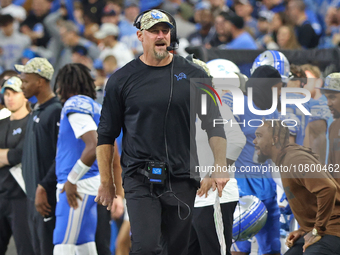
149, 98
39, 152
304, 30
13, 219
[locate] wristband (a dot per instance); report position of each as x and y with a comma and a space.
78, 171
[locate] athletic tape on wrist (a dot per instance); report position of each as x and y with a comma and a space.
78, 171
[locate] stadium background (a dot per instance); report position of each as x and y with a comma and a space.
326, 55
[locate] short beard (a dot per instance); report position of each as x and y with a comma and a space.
160, 55
262, 158
336, 114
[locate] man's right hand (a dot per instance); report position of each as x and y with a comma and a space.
41, 202
293, 237
106, 194
219, 180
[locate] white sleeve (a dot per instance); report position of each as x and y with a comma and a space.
235, 137
81, 123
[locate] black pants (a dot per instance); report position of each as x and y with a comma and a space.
103, 232
327, 245
41, 230
204, 238
155, 224
14, 220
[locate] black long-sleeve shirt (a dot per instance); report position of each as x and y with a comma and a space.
40, 149
12, 134
136, 100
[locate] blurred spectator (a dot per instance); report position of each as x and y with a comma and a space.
116, 5
93, 9
305, 33
110, 67
332, 21
78, 14
186, 11
13, 201
128, 32
171, 6
184, 26
218, 6
17, 12
273, 6
109, 16
244, 9
263, 26
204, 18
89, 31
4, 112
12, 42
108, 34
150, 4
79, 55
279, 19
27, 55
131, 11
241, 38
33, 25
221, 36
64, 37
314, 80
286, 38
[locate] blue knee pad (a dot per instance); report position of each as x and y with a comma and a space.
75, 226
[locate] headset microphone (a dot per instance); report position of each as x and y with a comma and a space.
170, 48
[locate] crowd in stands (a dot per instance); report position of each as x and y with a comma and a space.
89, 31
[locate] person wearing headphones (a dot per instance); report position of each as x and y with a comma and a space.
152, 100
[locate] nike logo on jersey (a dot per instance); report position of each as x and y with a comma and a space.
17, 131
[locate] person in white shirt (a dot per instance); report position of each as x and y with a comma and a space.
108, 33
12, 42
208, 237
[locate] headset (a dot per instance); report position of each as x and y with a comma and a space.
173, 33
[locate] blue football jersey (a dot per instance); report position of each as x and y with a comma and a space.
292, 108
69, 148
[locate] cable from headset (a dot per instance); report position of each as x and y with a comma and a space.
166, 145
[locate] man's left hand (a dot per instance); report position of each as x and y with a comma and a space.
71, 194
310, 239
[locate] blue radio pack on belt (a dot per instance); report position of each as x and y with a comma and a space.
155, 172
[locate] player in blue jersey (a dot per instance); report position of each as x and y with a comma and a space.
252, 182
76, 165
279, 61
